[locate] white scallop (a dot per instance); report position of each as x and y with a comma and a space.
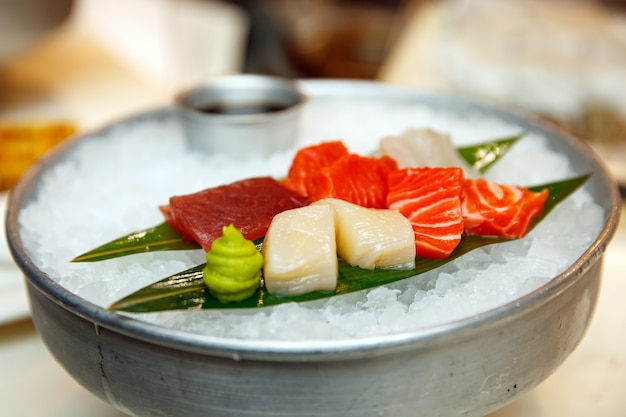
300, 253
372, 238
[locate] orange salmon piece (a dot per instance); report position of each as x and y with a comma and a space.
308, 161
354, 178
508, 211
431, 199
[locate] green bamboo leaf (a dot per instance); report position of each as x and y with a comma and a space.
484, 155
187, 291
158, 238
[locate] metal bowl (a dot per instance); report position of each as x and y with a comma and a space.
468, 367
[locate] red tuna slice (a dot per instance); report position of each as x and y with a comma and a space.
354, 178
250, 205
507, 211
431, 199
309, 161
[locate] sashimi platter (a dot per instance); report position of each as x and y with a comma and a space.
371, 212
403, 234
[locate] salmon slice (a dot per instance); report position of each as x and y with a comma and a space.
250, 205
507, 211
309, 161
431, 199
354, 178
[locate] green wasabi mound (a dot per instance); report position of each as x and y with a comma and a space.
233, 267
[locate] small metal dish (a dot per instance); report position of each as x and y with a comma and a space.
241, 115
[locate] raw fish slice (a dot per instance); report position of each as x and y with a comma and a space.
249, 205
300, 253
424, 148
506, 211
431, 199
358, 179
309, 161
372, 238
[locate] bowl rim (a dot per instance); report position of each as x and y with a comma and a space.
318, 350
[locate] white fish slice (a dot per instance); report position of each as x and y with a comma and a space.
424, 148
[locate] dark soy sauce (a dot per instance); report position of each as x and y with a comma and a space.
253, 108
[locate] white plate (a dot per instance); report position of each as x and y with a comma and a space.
13, 300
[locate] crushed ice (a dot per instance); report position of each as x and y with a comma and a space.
112, 186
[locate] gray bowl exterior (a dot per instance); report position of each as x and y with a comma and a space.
470, 367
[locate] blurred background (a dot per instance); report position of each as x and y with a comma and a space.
71, 65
